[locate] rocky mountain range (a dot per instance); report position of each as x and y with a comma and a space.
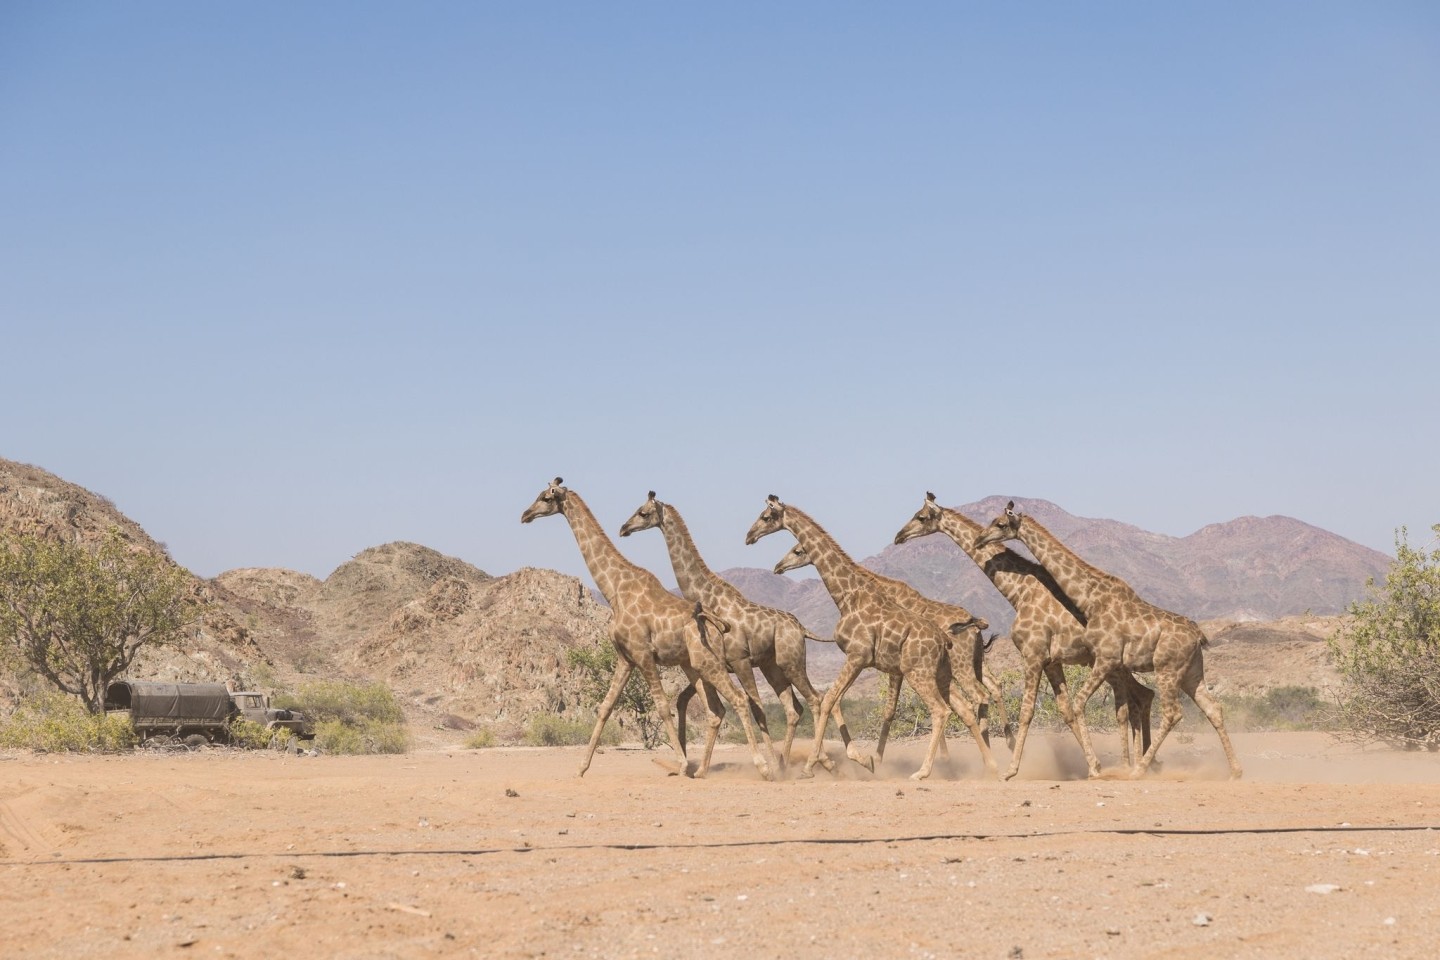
460, 647
1251, 568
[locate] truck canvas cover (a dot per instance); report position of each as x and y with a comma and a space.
170, 701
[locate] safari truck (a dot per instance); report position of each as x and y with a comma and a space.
196, 713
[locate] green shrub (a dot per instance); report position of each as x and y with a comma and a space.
481, 739
255, 736
1388, 653
1283, 708
61, 724
550, 730
595, 667
350, 717
364, 736
349, 703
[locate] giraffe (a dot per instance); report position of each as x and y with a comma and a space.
942, 615
1048, 632
651, 628
876, 632
1125, 632
772, 640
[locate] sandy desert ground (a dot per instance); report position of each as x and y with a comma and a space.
1322, 850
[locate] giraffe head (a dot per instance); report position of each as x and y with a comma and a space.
794, 560
651, 513
1004, 527
551, 500
925, 522
772, 518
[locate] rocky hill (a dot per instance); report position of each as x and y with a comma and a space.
38, 503
458, 646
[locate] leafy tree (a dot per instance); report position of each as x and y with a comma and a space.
78, 616
596, 666
1388, 652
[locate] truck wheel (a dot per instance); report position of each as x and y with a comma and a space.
197, 740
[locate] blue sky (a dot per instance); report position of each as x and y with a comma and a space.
286, 281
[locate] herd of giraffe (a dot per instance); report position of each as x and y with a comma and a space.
1066, 612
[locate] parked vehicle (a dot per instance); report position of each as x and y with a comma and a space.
197, 713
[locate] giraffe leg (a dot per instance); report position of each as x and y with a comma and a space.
966, 693
1132, 714
997, 706
891, 706
1170, 714
800, 686
715, 716
1124, 725
617, 684
967, 715
1141, 698
928, 689
848, 672
682, 712
744, 671
1098, 673
789, 699
718, 677
657, 693
1027, 714
1064, 703
1194, 685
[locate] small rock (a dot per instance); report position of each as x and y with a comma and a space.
1389, 921
1322, 888
297, 873
510, 793
1016, 953
1112, 931
1201, 920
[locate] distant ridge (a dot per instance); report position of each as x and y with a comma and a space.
1250, 568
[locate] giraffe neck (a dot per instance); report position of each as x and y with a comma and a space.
695, 579
842, 576
964, 531
605, 561
1082, 583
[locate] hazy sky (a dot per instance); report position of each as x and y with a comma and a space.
288, 280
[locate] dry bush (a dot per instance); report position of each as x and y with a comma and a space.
61, 724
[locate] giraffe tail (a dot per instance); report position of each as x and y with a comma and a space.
808, 636
702, 615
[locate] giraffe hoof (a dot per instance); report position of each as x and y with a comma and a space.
1009, 774
828, 764
806, 773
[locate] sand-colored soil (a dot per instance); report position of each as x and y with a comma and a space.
505, 853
